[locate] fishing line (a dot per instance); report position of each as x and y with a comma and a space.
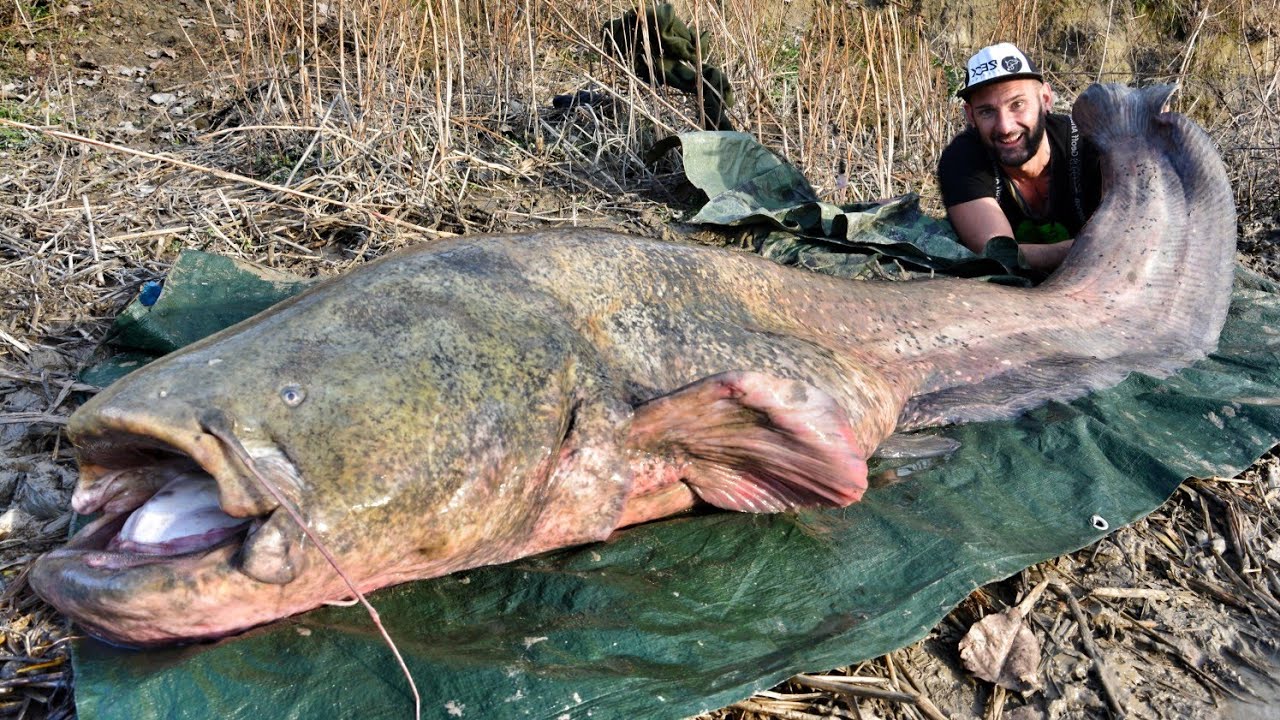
215, 423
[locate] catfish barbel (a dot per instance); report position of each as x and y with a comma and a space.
477, 400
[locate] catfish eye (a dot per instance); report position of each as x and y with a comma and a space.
293, 395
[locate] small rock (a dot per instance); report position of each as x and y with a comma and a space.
163, 98
15, 522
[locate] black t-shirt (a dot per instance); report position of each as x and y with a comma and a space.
967, 171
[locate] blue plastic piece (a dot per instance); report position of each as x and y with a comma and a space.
150, 292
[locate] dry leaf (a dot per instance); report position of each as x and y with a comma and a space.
1002, 649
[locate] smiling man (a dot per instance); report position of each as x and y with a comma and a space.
1018, 171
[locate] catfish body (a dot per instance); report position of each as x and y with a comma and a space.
478, 400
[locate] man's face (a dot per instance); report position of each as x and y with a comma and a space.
1010, 118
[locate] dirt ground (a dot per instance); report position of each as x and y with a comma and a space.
1182, 606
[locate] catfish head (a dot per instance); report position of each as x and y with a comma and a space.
436, 430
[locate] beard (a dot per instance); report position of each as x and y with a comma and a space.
1019, 154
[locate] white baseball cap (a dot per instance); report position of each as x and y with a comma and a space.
1003, 61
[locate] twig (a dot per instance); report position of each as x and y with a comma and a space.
927, 707
1099, 663
1191, 44
784, 713
45, 680
32, 417
14, 342
1106, 38
1130, 593
148, 234
315, 137
856, 690
995, 707
850, 679
1262, 599
93, 241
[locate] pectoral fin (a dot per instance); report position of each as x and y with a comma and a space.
752, 442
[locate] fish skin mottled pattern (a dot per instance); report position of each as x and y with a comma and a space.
477, 400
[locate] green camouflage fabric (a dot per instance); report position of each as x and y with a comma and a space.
664, 51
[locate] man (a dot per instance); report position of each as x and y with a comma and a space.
1017, 171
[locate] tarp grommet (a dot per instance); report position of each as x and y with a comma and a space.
1099, 523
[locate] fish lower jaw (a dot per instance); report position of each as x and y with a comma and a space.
144, 600
100, 546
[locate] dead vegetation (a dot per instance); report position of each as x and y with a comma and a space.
313, 136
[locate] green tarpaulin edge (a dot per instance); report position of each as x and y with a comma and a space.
673, 618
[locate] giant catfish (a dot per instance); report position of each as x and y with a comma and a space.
473, 401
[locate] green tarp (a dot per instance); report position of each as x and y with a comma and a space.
685, 615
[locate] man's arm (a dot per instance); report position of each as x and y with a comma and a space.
977, 221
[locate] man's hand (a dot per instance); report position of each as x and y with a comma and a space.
1045, 258
977, 221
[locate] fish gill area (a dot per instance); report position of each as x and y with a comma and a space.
313, 137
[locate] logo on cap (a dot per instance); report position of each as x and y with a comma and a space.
994, 63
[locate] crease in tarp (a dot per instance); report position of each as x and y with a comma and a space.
672, 618
746, 184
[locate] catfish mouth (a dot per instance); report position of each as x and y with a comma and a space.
166, 499
182, 518
187, 545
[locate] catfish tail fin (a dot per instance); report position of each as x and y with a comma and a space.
1106, 113
1147, 283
